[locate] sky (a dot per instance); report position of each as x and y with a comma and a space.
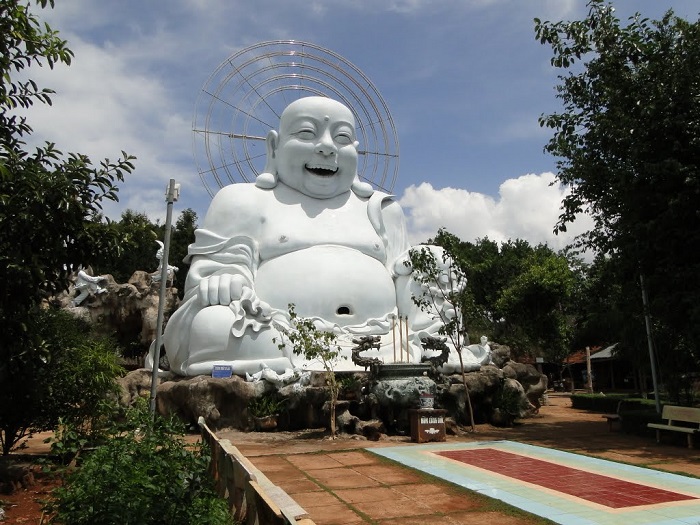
463, 80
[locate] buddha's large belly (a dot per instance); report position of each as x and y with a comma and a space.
338, 284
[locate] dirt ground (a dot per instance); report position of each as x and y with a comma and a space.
25, 505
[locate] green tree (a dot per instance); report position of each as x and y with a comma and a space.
443, 283
315, 345
138, 245
137, 250
182, 236
610, 311
536, 305
49, 201
521, 296
628, 143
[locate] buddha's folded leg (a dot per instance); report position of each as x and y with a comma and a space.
211, 342
240, 366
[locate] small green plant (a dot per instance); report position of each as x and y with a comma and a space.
268, 404
349, 385
508, 400
315, 345
144, 474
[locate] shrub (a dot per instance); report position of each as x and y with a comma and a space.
268, 404
606, 404
64, 373
144, 474
635, 421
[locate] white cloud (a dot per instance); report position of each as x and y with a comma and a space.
101, 107
528, 209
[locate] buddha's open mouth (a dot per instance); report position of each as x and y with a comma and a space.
321, 170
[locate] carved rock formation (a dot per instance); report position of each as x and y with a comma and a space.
128, 311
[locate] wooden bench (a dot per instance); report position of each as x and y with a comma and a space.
613, 418
688, 417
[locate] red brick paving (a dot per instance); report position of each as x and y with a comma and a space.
596, 488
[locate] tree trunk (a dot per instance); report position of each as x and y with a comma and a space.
466, 390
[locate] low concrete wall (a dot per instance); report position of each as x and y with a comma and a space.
253, 499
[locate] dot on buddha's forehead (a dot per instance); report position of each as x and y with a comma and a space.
326, 118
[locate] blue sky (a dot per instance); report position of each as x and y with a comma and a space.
464, 80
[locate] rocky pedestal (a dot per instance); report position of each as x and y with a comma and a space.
383, 406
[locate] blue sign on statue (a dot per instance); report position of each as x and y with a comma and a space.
221, 371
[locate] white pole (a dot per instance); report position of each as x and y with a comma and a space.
408, 343
171, 196
401, 338
393, 335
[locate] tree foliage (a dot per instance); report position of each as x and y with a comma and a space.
628, 144
137, 250
138, 235
521, 296
49, 202
182, 237
48, 199
535, 306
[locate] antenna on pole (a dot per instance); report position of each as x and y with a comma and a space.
171, 195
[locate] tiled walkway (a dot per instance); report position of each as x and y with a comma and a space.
563, 487
348, 481
338, 488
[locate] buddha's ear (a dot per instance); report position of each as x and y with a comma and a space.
361, 189
271, 143
268, 178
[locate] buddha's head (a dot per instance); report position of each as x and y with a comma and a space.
315, 150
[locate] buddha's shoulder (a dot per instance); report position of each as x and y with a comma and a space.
241, 190
243, 195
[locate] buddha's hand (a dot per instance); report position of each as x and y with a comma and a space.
226, 289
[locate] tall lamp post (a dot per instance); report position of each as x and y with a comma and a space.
171, 195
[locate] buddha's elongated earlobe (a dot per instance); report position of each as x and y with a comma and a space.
268, 178
361, 189
266, 181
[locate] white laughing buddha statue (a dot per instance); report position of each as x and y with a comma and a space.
306, 233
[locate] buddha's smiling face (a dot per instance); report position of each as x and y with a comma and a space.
316, 149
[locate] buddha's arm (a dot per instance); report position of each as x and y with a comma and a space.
225, 255
222, 270
389, 222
